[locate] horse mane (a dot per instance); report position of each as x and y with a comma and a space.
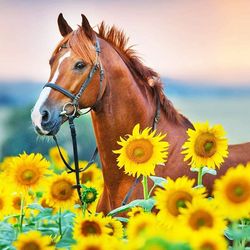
82, 46
144, 74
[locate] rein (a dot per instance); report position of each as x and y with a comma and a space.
77, 112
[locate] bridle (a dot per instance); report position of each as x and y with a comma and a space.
75, 98
77, 112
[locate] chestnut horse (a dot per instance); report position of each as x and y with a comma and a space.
127, 96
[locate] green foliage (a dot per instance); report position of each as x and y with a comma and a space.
146, 204
238, 232
158, 181
7, 235
205, 170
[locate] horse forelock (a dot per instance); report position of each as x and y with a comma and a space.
79, 44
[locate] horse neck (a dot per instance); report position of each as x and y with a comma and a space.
124, 104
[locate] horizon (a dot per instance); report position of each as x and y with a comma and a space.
190, 41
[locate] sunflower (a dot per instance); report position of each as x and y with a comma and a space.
16, 201
141, 225
28, 172
202, 214
98, 243
206, 146
208, 240
5, 164
175, 195
160, 243
149, 243
92, 174
232, 192
89, 195
90, 225
91, 207
56, 158
33, 240
115, 226
43, 202
135, 211
4, 203
141, 152
90, 242
60, 192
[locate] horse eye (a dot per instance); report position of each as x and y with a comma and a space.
79, 66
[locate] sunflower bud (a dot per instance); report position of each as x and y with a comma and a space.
89, 195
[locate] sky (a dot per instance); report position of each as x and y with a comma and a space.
189, 40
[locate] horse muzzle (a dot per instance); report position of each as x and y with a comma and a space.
46, 121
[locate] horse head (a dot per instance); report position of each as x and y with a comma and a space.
73, 82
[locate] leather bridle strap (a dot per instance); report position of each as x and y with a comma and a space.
75, 98
77, 113
60, 89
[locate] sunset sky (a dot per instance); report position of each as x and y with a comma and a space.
190, 40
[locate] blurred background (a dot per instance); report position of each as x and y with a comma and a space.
200, 48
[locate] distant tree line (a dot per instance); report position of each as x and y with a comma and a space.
22, 137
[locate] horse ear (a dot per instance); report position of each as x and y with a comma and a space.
64, 28
87, 28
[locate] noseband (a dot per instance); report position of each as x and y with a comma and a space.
76, 113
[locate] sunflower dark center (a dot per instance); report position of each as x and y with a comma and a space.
1, 204
61, 190
17, 203
31, 246
85, 177
90, 228
205, 145
201, 218
208, 246
238, 191
177, 200
139, 151
181, 203
28, 177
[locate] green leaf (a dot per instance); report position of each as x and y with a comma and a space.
238, 233
36, 206
45, 214
7, 235
146, 204
122, 219
205, 170
65, 243
158, 181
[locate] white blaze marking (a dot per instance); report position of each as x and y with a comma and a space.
56, 74
36, 115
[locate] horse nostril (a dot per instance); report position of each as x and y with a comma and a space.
45, 116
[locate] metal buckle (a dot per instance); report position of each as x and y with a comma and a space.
64, 111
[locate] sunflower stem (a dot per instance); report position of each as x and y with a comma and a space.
145, 187
199, 181
84, 208
236, 242
21, 215
243, 240
60, 221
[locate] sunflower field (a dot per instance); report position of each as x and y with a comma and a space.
39, 209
